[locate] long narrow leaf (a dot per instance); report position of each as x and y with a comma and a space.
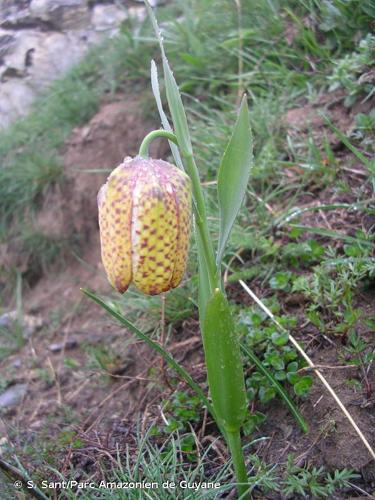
163, 117
234, 175
278, 387
204, 286
224, 363
334, 234
154, 345
176, 107
361, 157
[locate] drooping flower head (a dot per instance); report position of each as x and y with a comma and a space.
144, 220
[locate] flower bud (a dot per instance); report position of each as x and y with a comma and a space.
144, 220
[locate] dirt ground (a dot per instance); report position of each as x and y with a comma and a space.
98, 395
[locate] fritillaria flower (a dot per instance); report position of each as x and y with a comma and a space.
144, 220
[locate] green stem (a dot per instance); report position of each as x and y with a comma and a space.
143, 150
201, 221
234, 443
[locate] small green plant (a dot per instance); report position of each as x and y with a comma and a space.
271, 347
331, 286
360, 353
352, 72
180, 410
306, 481
364, 131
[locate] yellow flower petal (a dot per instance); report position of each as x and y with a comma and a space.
144, 219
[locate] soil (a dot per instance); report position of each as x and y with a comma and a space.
100, 380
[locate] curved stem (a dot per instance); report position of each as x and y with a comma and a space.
143, 150
234, 443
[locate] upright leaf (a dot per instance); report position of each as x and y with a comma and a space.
176, 107
234, 175
224, 363
163, 116
204, 282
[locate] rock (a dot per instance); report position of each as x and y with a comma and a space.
7, 42
29, 324
16, 98
137, 13
69, 344
54, 53
15, 13
13, 396
40, 58
61, 14
17, 61
17, 363
153, 3
107, 17
41, 39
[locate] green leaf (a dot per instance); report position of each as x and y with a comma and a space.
176, 107
293, 366
370, 164
234, 175
303, 385
204, 282
154, 345
253, 421
224, 363
280, 339
266, 394
163, 117
293, 377
334, 234
279, 388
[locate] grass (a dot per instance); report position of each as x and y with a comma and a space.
167, 470
319, 255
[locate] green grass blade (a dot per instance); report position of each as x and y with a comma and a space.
154, 345
321, 231
296, 212
370, 165
234, 175
278, 387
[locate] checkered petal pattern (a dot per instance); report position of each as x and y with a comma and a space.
144, 219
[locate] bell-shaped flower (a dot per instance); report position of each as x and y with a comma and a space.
144, 219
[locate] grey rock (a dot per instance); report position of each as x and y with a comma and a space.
53, 54
59, 346
16, 98
7, 42
139, 13
15, 13
17, 363
61, 14
153, 3
107, 17
29, 323
13, 396
41, 39
17, 61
